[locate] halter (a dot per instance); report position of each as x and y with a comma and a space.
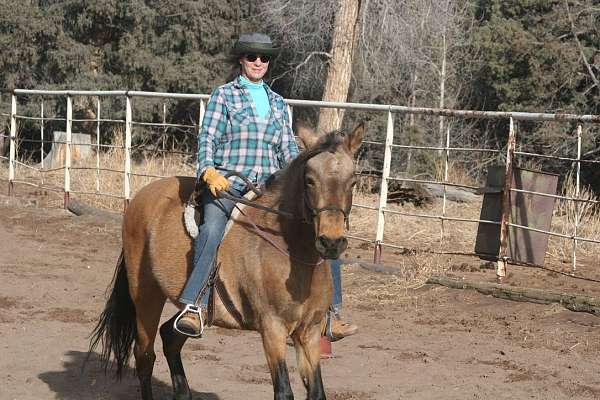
314, 211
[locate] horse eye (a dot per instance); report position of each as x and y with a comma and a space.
310, 182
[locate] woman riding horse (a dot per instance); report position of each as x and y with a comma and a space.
246, 128
272, 277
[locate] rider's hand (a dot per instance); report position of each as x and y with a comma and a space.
215, 180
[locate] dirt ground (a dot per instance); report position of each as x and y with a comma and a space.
425, 343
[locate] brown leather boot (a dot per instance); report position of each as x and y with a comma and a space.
335, 328
340, 329
188, 323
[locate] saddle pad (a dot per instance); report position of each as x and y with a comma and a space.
191, 216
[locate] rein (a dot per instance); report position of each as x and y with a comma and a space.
252, 187
259, 231
235, 199
269, 240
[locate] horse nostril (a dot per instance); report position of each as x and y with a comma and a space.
343, 244
330, 244
326, 242
331, 248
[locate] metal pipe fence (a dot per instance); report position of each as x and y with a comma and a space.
385, 176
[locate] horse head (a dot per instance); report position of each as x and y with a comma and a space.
327, 183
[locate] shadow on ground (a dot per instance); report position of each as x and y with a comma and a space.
72, 383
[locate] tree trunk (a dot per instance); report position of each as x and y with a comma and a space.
571, 301
411, 121
442, 136
339, 71
2, 144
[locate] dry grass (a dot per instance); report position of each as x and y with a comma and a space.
456, 173
109, 179
377, 291
418, 233
566, 212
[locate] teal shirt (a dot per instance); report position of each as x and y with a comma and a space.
258, 95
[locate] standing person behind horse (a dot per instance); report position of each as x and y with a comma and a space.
246, 129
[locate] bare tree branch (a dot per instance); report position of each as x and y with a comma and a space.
573, 32
298, 66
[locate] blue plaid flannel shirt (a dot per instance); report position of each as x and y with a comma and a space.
233, 138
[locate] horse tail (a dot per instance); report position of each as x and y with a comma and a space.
116, 328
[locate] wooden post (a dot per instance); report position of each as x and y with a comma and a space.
505, 218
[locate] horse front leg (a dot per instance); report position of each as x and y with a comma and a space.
308, 353
274, 336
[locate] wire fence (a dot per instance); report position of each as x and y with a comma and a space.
118, 165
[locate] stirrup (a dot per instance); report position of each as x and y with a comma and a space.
194, 309
329, 326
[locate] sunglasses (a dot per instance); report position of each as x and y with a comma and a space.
253, 57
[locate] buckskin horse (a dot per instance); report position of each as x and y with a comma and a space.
278, 285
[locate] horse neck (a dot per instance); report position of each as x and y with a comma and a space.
288, 196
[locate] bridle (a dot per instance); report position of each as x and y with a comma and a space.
314, 211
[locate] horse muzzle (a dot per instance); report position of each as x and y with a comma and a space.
331, 248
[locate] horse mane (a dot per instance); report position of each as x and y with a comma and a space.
328, 142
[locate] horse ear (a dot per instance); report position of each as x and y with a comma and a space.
354, 137
306, 134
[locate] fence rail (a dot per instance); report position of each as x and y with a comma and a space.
388, 145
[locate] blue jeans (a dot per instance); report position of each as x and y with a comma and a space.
336, 275
216, 213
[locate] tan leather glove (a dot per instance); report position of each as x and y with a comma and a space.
215, 180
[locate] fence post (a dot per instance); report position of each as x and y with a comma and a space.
505, 218
13, 143
42, 137
200, 119
577, 192
98, 145
383, 191
290, 111
68, 150
127, 169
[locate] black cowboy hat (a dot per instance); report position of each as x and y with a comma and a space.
254, 43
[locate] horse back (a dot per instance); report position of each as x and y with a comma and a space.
156, 247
